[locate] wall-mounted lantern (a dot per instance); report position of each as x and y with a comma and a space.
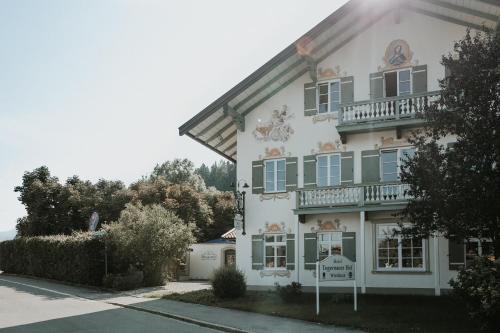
239, 217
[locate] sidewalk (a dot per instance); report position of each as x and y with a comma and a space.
241, 321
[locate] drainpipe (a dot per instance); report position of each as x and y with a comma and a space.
297, 249
362, 250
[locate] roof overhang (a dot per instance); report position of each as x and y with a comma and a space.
217, 125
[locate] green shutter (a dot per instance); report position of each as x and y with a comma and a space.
370, 166
309, 171
456, 253
290, 252
349, 245
291, 174
347, 90
257, 252
419, 77
310, 107
450, 145
257, 177
310, 251
376, 85
347, 168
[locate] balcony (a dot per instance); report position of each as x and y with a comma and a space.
385, 113
382, 196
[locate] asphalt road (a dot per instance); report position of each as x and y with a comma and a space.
35, 307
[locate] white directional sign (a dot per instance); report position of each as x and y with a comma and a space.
336, 268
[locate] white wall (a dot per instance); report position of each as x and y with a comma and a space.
205, 258
429, 39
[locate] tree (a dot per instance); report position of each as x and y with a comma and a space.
39, 193
53, 208
179, 171
148, 237
221, 175
222, 206
190, 205
457, 188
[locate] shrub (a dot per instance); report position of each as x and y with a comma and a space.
148, 237
479, 287
228, 282
290, 293
78, 258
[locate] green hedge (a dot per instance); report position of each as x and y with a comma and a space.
78, 258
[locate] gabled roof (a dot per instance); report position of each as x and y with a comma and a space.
216, 126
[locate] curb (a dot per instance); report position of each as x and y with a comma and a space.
201, 323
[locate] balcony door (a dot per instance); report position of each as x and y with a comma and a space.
397, 83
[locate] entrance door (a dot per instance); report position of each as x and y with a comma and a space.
230, 258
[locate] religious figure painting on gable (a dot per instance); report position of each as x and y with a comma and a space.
277, 128
397, 54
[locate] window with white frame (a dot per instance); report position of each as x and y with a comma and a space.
329, 96
397, 253
391, 161
275, 250
328, 173
476, 248
329, 244
397, 83
275, 175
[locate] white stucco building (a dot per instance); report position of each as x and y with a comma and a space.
319, 131
204, 258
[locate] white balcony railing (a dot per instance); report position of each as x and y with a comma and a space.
400, 107
353, 195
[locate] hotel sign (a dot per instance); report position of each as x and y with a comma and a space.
336, 268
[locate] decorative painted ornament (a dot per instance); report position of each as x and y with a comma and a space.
276, 129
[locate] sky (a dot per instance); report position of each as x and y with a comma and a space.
98, 88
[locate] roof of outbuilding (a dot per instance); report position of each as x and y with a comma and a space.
215, 127
231, 234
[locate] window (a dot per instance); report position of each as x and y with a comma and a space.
329, 96
397, 253
328, 170
391, 161
397, 83
275, 250
275, 175
476, 248
329, 244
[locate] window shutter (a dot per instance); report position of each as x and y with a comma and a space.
257, 177
347, 168
291, 174
290, 252
376, 85
309, 171
257, 252
370, 166
347, 90
310, 251
419, 77
349, 245
456, 253
310, 107
450, 145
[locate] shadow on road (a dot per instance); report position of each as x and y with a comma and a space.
115, 320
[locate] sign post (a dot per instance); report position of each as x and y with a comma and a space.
336, 268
